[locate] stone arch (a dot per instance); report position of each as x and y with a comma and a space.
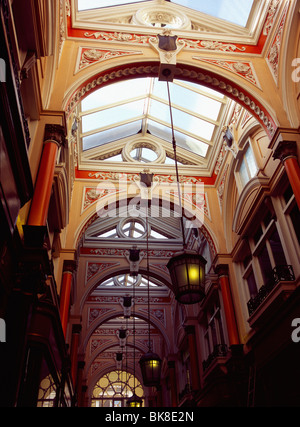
217, 81
99, 373
205, 228
92, 358
109, 316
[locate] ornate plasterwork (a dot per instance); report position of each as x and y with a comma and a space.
221, 188
122, 252
92, 194
106, 36
90, 55
95, 313
156, 313
209, 45
198, 200
274, 50
246, 116
244, 69
161, 16
271, 16
97, 343
94, 268
220, 159
122, 177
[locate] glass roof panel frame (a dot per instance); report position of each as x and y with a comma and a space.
191, 86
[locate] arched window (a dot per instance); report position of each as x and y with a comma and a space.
115, 388
246, 167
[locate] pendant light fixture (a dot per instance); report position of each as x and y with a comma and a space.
150, 362
186, 268
134, 401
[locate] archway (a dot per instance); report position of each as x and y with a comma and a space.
248, 100
114, 388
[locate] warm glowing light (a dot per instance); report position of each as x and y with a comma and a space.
154, 363
193, 273
135, 404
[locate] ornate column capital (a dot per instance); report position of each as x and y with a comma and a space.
76, 328
285, 150
69, 266
222, 270
189, 330
55, 133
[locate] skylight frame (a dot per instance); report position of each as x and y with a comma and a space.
178, 4
103, 19
146, 98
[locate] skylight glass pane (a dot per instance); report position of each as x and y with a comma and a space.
157, 235
182, 120
148, 155
235, 11
189, 99
111, 233
116, 92
205, 89
193, 103
110, 135
182, 140
93, 4
112, 116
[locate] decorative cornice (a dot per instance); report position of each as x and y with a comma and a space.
274, 50
244, 69
56, 133
221, 270
90, 55
285, 150
69, 266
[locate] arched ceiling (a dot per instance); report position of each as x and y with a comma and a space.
109, 49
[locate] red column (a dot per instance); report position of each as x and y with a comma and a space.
222, 271
173, 384
74, 352
286, 151
53, 139
80, 383
194, 374
65, 294
159, 400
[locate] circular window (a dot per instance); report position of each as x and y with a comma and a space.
143, 152
132, 228
143, 155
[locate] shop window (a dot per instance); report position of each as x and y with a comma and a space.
215, 345
268, 263
251, 282
292, 212
268, 249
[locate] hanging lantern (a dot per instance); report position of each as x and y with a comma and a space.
122, 334
119, 357
127, 302
150, 364
134, 402
187, 272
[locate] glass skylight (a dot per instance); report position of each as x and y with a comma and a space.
235, 11
140, 106
93, 4
126, 280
